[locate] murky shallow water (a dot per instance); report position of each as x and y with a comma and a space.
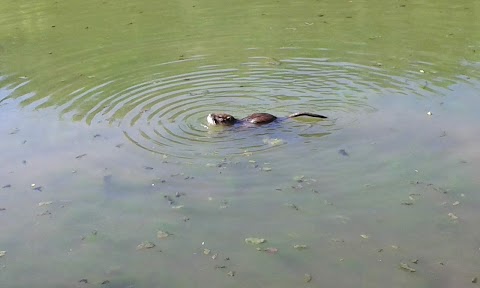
103, 105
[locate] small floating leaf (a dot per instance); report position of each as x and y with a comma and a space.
453, 216
299, 178
293, 206
145, 245
162, 234
273, 142
269, 250
45, 203
407, 203
300, 246
81, 156
255, 241
406, 267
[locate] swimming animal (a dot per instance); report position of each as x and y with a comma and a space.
256, 118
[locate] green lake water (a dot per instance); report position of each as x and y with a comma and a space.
104, 143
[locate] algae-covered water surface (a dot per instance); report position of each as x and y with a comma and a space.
111, 177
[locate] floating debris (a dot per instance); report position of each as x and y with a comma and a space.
406, 267
81, 156
269, 250
414, 261
455, 203
45, 203
7, 186
474, 280
365, 236
453, 216
45, 213
220, 267
293, 206
84, 280
91, 236
255, 241
147, 168
162, 234
206, 251
231, 273
2, 209
338, 240
407, 203
307, 278
169, 199
299, 178
3, 253
145, 245
267, 169
300, 246
343, 152
273, 142
177, 206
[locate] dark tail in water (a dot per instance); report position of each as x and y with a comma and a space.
306, 114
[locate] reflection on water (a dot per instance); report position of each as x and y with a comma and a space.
105, 143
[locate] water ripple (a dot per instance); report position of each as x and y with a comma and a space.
166, 114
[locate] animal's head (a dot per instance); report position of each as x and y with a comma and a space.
220, 119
